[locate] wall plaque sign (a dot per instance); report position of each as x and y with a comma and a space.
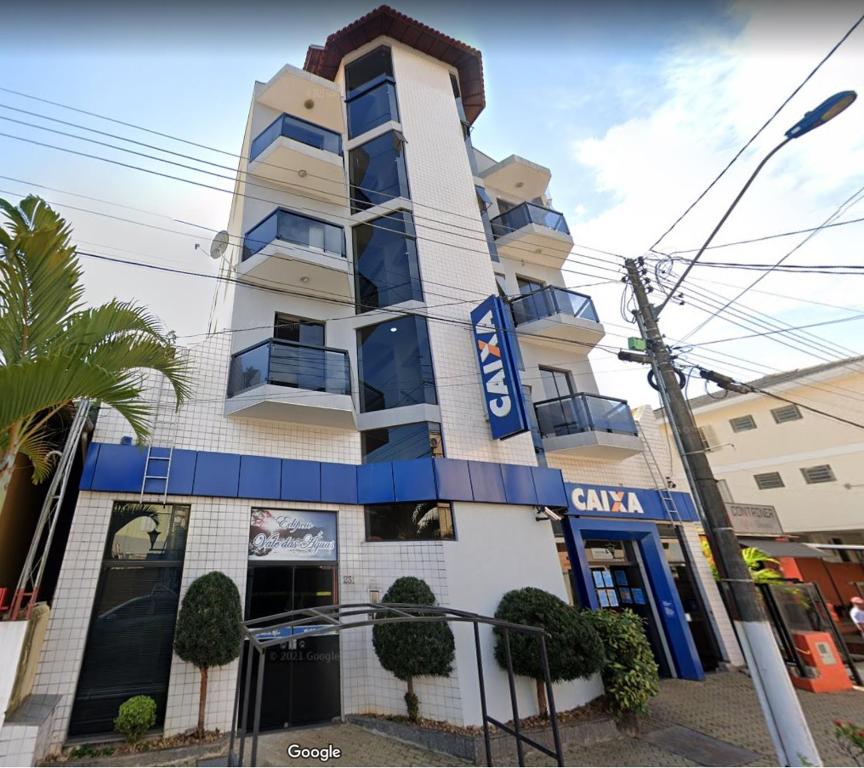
280, 535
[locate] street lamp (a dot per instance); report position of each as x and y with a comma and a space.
827, 110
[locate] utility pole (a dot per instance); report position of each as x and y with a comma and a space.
782, 710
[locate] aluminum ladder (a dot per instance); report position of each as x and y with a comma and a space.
27, 589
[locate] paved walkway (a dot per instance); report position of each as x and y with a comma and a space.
715, 722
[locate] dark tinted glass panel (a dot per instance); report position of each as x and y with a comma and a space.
385, 262
372, 108
395, 365
377, 170
367, 70
297, 229
299, 130
147, 532
556, 383
426, 521
290, 328
407, 441
129, 644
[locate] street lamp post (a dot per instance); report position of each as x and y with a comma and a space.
827, 110
782, 710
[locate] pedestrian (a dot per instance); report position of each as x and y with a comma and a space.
857, 613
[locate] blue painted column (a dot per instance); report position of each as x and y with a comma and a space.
659, 579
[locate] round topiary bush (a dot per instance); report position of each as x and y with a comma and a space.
135, 717
573, 647
630, 674
209, 629
408, 649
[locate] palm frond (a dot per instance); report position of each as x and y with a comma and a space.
40, 449
40, 279
34, 386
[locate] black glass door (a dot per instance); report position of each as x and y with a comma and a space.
131, 636
301, 677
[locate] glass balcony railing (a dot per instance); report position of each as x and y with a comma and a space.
550, 301
294, 128
294, 228
582, 412
525, 214
289, 364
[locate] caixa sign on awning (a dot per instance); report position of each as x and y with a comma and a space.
641, 503
502, 391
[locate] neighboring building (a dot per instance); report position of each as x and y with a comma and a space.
344, 397
809, 467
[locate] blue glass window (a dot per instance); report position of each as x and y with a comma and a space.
385, 262
299, 130
395, 364
372, 108
367, 71
407, 441
377, 170
297, 229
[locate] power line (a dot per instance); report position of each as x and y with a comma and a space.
763, 238
234, 193
769, 333
807, 269
320, 297
234, 171
758, 132
844, 206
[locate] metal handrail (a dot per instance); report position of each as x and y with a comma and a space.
549, 296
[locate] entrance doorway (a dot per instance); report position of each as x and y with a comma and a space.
619, 584
302, 680
618, 560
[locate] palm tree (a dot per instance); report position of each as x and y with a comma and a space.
53, 350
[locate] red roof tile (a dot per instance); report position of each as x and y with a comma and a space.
384, 20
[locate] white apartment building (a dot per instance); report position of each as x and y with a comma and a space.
389, 287
766, 450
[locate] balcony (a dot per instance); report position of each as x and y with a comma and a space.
301, 154
515, 175
557, 315
534, 234
297, 251
285, 381
588, 426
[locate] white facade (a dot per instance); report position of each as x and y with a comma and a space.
498, 547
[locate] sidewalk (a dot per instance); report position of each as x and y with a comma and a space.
715, 722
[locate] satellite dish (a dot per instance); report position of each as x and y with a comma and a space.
219, 244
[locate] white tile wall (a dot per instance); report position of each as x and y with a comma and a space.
456, 278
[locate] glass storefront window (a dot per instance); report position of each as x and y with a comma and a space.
407, 441
147, 532
377, 171
395, 364
424, 521
385, 262
130, 641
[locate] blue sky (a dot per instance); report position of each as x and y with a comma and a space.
634, 107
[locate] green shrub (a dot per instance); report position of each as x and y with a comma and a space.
630, 674
135, 717
209, 629
574, 648
412, 649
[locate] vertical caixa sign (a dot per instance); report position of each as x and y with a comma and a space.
502, 390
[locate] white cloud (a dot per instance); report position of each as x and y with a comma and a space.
719, 92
